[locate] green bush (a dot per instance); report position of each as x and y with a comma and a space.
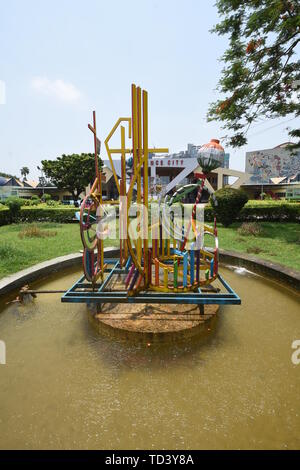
46, 198
14, 205
48, 214
227, 203
22, 201
52, 203
35, 200
28, 202
60, 214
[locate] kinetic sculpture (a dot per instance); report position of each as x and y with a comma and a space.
161, 259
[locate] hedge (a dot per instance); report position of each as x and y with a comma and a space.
48, 214
282, 212
258, 211
265, 212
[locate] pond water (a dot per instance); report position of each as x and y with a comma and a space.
66, 387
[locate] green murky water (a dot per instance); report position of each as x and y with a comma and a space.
66, 387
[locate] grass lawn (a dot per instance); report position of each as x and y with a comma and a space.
19, 253
278, 242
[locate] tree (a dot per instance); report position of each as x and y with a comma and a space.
7, 175
227, 204
24, 172
261, 77
71, 172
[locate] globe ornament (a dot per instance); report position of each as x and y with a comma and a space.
211, 156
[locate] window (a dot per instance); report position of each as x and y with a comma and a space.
165, 179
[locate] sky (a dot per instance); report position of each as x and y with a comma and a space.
61, 59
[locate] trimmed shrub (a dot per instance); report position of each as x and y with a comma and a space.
271, 211
35, 200
30, 202
227, 203
4, 220
62, 215
20, 200
253, 211
27, 202
52, 203
46, 198
14, 205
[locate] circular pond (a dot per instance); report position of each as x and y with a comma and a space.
64, 386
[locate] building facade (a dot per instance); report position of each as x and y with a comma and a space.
276, 162
171, 172
26, 189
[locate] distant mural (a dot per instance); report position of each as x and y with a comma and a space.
272, 163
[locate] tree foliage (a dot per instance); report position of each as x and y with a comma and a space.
71, 172
7, 175
261, 77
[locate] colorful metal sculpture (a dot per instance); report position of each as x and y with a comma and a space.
162, 261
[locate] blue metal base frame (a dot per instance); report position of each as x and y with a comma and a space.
83, 292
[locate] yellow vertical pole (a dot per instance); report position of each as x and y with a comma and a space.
134, 126
135, 143
145, 179
168, 247
123, 218
135, 147
138, 180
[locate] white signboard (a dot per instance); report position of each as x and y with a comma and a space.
173, 162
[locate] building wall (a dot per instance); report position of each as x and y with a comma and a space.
271, 163
27, 193
290, 191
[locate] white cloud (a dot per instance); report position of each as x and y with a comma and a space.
64, 91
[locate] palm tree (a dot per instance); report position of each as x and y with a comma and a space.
24, 172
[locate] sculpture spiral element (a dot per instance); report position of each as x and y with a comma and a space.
88, 223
